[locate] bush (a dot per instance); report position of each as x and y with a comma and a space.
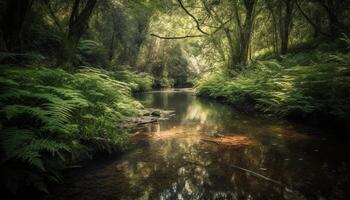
92, 53
51, 119
138, 82
299, 84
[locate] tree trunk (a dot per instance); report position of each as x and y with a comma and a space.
317, 16
111, 47
285, 25
333, 23
3, 5
231, 55
12, 22
333, 8
245, 33
78, 24
309, 20
271, 6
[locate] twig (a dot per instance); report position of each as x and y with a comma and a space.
193, 17
262, 177
209, 140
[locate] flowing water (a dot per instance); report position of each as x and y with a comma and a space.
172, 159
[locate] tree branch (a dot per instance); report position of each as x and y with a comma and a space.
176, 37
309, 20
192, 36
222, 25
53, 16
193, 17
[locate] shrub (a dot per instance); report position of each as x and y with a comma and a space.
92, 53
299, 84
51, 119
138, 82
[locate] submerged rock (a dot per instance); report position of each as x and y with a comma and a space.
147, 116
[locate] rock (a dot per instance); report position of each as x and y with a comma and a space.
137, 121
168, 112
147, 120
146, 114
156, 113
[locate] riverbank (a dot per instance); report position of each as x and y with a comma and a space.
207, 150
310, 85
52, 119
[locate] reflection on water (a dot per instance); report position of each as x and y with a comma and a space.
173, 162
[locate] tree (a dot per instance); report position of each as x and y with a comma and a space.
245, 29
12, 21
282, 21
78, 23
334, 9
285, 23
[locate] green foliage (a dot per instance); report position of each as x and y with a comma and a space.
168, 65
92, 53
138, 82
29, 57
51, 118
295, 85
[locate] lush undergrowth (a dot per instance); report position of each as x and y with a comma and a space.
51, 119
309, 84
138, 82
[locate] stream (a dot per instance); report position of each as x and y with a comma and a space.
282, 160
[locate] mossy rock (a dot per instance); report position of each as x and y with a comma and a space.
156, 113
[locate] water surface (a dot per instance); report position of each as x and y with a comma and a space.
172, 161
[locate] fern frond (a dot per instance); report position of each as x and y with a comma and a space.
13, 111
13, 138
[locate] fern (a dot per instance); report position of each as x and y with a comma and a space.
13, 138
50, 118
92, 52
13, 111
290, 86
20, 57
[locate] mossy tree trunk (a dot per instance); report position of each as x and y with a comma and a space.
78, 23
240, 50
285, 24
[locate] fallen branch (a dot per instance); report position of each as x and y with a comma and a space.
262, 177
234, 141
